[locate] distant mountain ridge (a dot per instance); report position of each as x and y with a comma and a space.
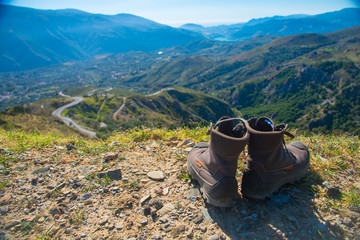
282, 25
31, 38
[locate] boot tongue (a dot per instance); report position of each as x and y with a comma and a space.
264, 124
225, 127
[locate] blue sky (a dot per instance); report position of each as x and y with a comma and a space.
204, 12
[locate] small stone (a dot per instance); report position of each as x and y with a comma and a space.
111, 227
88, 202
5, 199
113, 174
21, 167
165, 191
110, 156
103, 221
34, 181
70, 146
190, 233
86, 196
222, 237
188, 149
214, 237
85, 170
163, 219
193, 194
203, 228
177, 231
144, 222
119, 227
206, 214
83, 235
156, 237
156, 175
4, 210
347, 221
192, 199
41, 170
144, 199
198, 220
166, 209
326, 184
41, 219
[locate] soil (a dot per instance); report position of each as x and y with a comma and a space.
142, 191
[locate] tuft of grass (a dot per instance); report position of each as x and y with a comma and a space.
27, 226
352, 198
3, 185
77, 217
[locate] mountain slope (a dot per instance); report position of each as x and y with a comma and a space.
304, 79
169, 107
32, 38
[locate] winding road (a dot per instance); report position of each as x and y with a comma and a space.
69, 121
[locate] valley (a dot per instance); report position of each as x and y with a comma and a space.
309, 80
304, 80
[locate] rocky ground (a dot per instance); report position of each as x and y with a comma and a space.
142, 191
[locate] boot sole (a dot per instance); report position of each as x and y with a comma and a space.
225, 202
282, 182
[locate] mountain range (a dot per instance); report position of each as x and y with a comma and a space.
281, 25
32, 38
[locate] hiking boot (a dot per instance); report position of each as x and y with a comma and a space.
214, 165
271, 163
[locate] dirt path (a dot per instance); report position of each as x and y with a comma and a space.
120, 109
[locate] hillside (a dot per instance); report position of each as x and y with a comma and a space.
53, 186
32, 38
301, 79
167, 108
105, 110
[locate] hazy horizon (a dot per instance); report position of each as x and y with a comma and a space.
206, 13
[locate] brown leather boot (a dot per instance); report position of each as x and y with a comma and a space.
214, 165
271, 164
